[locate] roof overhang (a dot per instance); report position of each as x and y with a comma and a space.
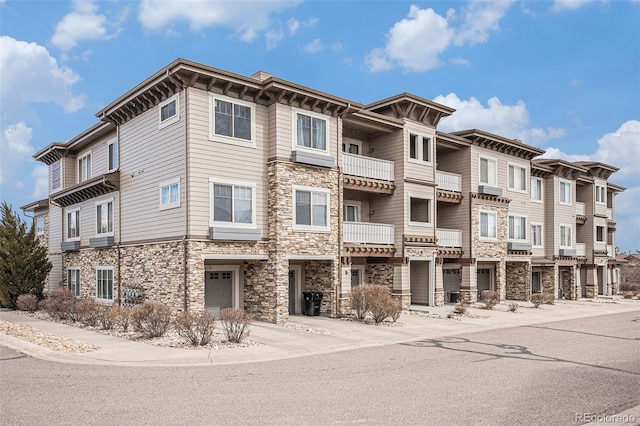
35, 206
412, 107
51, 153
597, 169
488, 140
561, 168
87, 190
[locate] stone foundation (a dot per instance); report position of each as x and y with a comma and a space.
518, 281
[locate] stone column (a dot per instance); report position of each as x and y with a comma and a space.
439, 284
401, 284
501, 278
469, 284
592, 283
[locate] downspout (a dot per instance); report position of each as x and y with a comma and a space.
340, 202
186, 195
119, 223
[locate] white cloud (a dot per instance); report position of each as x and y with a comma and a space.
30, 75
460, 61
510, 121
15, 145
293, 25
560, 5
83, 23
480, 18
620, 149
40, 175
247, 18
314, 46
416, 42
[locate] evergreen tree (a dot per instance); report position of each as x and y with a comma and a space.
23, 260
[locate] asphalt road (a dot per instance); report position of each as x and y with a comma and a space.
535, 375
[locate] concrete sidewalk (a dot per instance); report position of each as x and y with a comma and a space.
303, 336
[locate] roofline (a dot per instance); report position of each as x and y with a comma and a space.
550, 162
498, 138
406, 95
35, 205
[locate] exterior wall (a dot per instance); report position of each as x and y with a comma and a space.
557, 214
548, 281
88, 218
456, 216
88, 260
149, 157
518, 280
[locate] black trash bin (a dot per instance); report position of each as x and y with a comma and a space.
312, 302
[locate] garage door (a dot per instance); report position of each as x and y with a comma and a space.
218, 291
451, 283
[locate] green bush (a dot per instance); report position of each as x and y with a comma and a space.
235, 324
151, 319
27, 302
196, 327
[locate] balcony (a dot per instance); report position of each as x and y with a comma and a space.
449, 237
611, 252
367, 233
581, 213
581, 250
449, 187
368, 167
610, 215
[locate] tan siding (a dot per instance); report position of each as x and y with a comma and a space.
148, 157
55, 228
283, 130
100, 155
422, 171
70, 172
419, 191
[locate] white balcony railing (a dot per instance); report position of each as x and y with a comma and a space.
369, 167
610, 251
449, 237
580, 209
610, 214
449, 181
367, 233
581, 249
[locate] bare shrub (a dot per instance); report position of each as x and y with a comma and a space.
513, 307
359, 301
151, 319
87, 312
59, 304
537, 299
196, 327
120, 317
235, 324
104, 318
625, 294
27, 302
549, 299
395, 309
490, 299
461, 306
634, 288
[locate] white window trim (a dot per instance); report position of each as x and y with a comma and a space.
310, 228
252, 185
604, 234
113, 278
491, 213
533, 200
518, 216
489, 159
89, 172
169, 205
76, 268
171, 120
54, 188
235, 276
349, 141
419, 151
214, 137
117, 165
294, 127
429, 224
541, 225
603, 189
566, 182
35, 225
66, 224
564, 225
526, 175
113, 213
357, 205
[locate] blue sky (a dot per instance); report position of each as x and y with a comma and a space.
560, 75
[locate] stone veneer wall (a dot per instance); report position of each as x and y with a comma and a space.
88, 260
380, 273
518, 282
548, 281
568, 281
318, 277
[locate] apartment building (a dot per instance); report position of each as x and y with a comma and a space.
205, 189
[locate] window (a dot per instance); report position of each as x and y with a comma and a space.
517, 228
311, 208
310, 131
56, 176
73, 281
113, 155
104, 218
231, 120
488, 225
565, 236
536, 234
488, 171
601, 194
565, 192
536, 189
419, 148
169, 111
39, 225
351, 146
170, 194
104, 283
517, 178
419, 210
233, 203
73, 225
600, 234
351, 213
84, 167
